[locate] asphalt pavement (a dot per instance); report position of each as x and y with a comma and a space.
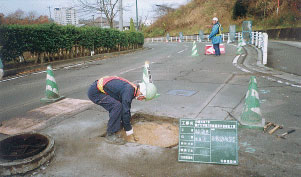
218, 87
285, 56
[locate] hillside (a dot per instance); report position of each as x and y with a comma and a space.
197, 15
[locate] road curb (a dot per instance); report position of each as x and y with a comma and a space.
274, 75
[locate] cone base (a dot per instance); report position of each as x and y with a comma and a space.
51, 100
252, 126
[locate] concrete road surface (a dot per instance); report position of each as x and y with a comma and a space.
285, 56
219, 89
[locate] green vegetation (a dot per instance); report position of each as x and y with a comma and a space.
197, 15
132, 25
48, 42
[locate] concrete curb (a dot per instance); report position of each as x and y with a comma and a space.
257, 66
64, 63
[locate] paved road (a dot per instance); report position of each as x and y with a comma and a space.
285, 56
219, 89
21, 95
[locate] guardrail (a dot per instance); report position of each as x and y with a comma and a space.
258, 39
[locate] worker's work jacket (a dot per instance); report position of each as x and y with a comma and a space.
216, 33
123, 91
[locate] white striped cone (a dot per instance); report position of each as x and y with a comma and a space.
251, 116
1, 69
239, 50
194, 50
147, 77
1, 74
52, 91
151, 90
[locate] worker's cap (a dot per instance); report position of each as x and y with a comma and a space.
148, 90
215, 19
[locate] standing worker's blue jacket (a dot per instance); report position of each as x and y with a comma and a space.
216, 33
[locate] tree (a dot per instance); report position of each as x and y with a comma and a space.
132, 25
19, 17
163, 9
239, 10
1, 18
108, 7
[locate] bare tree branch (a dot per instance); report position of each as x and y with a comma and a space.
107, 7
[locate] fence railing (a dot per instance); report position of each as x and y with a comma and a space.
258, 39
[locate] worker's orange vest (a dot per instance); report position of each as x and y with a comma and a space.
104, 80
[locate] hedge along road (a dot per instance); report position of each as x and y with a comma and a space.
54, 41
23, 94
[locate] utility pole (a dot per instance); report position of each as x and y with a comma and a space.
278, 8
137, 15
120, 16
93, 19
49, 12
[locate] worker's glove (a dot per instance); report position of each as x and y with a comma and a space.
130, 132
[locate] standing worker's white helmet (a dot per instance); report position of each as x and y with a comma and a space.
215, 19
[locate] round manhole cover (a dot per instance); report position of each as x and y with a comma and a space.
22, 146
25, 152
153, 130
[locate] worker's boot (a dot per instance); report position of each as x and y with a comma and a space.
113, 138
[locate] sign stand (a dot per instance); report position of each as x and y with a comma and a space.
208, 141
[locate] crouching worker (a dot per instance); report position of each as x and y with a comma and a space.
115, 94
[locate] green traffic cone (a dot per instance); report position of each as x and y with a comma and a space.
194, 50
251, 116
151, 90
239, 50
52, 91
147, 77
1, 69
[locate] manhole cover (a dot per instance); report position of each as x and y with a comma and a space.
154, 130
22, 146
25, 152
181, 92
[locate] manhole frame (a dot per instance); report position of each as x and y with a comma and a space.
22, 166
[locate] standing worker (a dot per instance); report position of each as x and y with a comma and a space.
216, 35
115, 94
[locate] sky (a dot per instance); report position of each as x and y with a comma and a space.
40, 7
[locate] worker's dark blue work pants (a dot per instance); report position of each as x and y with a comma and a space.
217, 50
110, 104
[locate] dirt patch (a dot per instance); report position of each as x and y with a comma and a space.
153, 130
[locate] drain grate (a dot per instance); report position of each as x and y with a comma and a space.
181, 92
22, 146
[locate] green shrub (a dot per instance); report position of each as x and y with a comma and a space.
52, 38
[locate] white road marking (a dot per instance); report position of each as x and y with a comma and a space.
242, 69
181, 51
236, 59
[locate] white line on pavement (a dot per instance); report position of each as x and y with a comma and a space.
236, 59
181, 51
242, 69
128, 70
